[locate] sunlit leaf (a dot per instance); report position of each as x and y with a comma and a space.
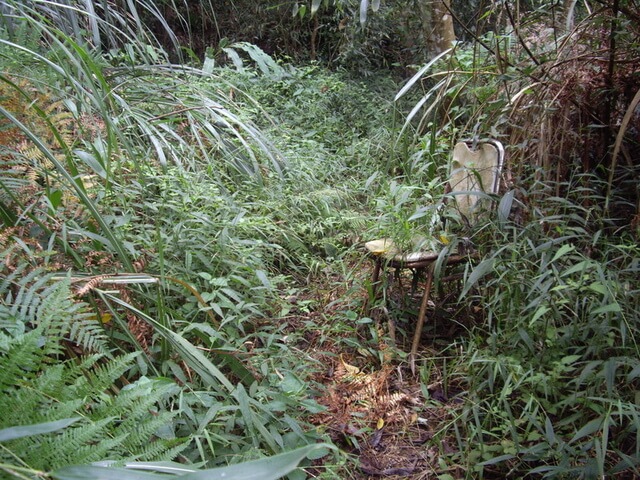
412, 81
315, 4
364, 6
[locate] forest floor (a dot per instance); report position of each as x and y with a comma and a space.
377, 410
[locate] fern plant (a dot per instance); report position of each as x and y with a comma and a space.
54, 365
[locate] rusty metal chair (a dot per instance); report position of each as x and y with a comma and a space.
474, 174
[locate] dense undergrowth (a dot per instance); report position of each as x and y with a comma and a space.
183, 281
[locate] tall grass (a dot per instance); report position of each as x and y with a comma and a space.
128, 119
550, 373
180, 203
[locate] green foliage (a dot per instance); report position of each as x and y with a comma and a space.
191, 205
357, 35
551, 376
96, 25
119, 421
270, 468
527, 83
138, 166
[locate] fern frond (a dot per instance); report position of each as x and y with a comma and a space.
21, 360
161, 448
122, 426
89, 334
31, 152
25, 302
72, 445
102, 377
37, 385
13, 178
37, 302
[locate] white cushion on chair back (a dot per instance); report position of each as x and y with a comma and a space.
475, 172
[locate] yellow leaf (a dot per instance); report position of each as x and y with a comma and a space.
380, 424
351, 370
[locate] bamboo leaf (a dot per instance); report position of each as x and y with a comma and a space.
578, 267
364, 6
264, 279
590, 428
315, 4
419, 74
493, 461
416, 108
539, 313
189, 353
89, 472
235, 58
29, 430
483, 268
163, 467
504, 208
194, 357
562, 251
549, 432
599, 288
609, 371
92, 162
271, 468
610, 308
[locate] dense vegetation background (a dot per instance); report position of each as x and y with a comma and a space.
185, 190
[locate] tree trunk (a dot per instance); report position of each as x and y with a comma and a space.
437, 24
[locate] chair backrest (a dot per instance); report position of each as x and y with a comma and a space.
474, 172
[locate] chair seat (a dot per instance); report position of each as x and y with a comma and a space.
385, 248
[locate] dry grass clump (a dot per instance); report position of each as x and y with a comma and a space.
572, 117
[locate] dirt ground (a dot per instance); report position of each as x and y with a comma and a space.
387, 417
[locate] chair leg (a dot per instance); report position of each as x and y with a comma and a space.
415, 278
374, 287
421, 317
